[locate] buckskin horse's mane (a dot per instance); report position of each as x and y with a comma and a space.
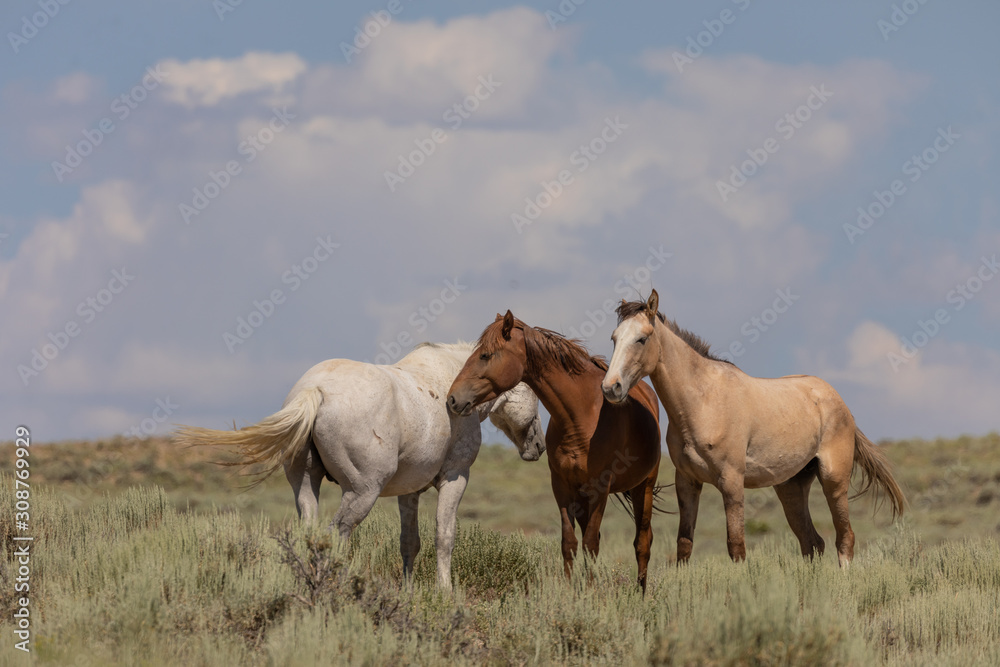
627, 309
543, 346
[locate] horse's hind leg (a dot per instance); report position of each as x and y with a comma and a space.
688, 495
354, 507
794, 497
642, 509
835, 476
305, 473
409, 532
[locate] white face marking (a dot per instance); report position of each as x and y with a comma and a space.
627, 337
625, 368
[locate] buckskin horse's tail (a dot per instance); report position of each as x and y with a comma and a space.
268, 443
876, 472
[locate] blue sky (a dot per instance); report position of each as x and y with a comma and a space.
254, 164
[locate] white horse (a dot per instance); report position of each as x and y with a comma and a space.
382, 431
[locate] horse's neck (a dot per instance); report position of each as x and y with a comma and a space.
678, 375
437, 364
452, 358
573, 401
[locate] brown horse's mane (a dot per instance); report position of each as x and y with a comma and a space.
543, 346
627, 309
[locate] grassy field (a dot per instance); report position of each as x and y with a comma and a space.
146, 554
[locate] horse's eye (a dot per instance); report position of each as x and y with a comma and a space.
484, 357
642, 341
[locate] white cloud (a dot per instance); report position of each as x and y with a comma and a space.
732, 105
209, 82
951, 387
421, 69
75, 88
61, 252
324, 174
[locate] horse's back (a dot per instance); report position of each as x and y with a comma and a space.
379, 417
791, 420
357, 397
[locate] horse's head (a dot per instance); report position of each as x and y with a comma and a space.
495, 366
636, 348
515, 412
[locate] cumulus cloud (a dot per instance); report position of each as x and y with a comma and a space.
419, 70
816, 117
206, 83
946, 386
323, 175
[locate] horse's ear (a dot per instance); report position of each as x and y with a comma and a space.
653, 304
508, 325
499, 317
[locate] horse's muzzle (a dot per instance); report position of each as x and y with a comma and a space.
615, 393
462, 408
534, 442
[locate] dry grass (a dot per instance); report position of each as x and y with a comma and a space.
183, 569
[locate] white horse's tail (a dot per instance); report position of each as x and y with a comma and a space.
268, 443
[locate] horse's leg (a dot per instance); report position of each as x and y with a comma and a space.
354, 507
794, 497
590, 523
836, 481
451, 488
305, 473
409, 532
569, 509
731, 487
642, 509
362, 464
688, 495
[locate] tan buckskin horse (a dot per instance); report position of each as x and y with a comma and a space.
594, 448
734, 431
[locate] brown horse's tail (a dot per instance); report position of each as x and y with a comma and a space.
657, 507
270, 442
876, 472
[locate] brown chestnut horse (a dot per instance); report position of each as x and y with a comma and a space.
735, 431
595, 448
